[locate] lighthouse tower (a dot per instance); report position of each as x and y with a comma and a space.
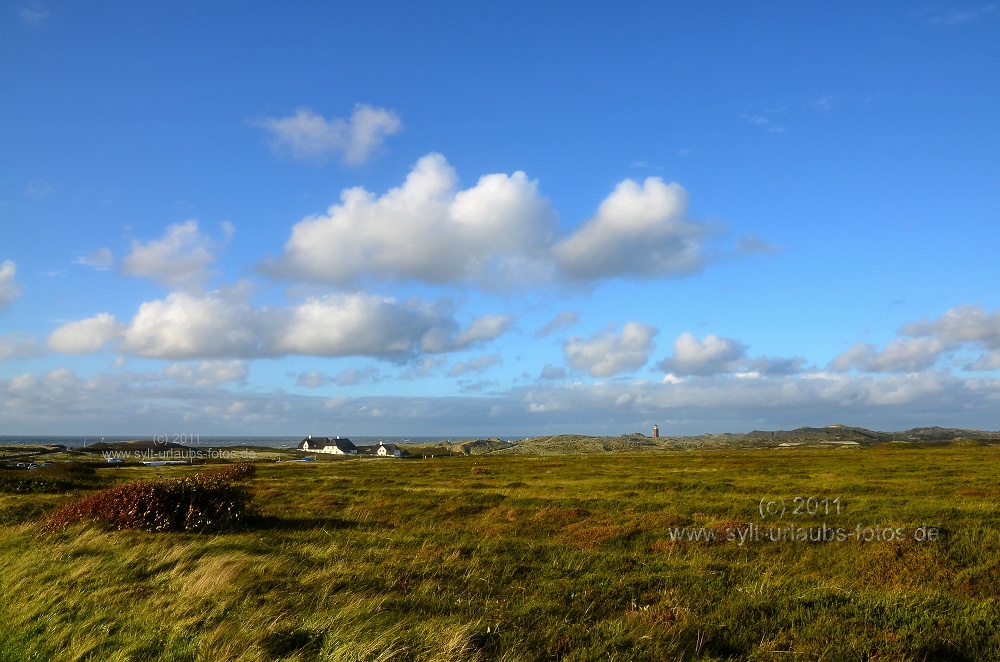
656, 431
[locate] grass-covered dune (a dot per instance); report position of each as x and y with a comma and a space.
507, 557
835, 435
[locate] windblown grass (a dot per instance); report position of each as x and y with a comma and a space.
521, 558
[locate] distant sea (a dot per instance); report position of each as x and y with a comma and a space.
205, 441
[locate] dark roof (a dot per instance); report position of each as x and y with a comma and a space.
318, 443
344, 444
390, 449
314, 442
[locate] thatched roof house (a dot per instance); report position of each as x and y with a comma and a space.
337, 446
387, 450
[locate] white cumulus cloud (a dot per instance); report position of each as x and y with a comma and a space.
425, 230
357, 324
900, 355
190, 326
962, 324
86, 336
709, 356
483, 329
958, 330
716, 355
179, 259
607, 353
223, 325
309, 136
639, 231
498, 234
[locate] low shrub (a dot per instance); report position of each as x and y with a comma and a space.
204, 501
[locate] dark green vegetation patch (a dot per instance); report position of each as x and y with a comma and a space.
58, 477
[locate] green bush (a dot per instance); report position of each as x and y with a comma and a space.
60, 477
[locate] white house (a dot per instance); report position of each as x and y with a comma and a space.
388, 450
336, 446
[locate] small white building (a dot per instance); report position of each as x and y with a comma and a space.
388, 450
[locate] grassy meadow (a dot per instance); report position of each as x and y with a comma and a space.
530, 558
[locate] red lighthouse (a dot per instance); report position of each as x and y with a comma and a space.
656, 431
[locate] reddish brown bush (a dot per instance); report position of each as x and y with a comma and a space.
205, 501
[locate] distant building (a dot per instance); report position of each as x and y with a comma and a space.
387, 450
311, 443
656, 431
336, 446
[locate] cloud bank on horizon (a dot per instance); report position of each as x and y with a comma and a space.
499, 268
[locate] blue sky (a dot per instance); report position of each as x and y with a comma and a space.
498, 218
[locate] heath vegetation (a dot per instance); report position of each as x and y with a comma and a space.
514, 557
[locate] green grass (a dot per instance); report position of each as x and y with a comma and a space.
59, 477
528, 558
